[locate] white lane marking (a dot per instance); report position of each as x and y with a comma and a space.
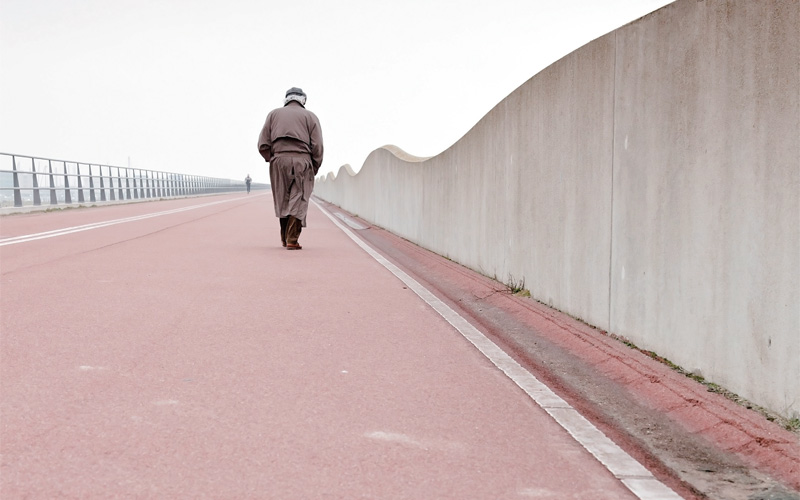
350, 222
538, 493
624, 467
423, 444
86, 227
396, 438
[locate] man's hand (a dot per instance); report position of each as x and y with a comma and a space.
265, 152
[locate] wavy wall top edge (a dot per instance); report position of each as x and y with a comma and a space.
403, 155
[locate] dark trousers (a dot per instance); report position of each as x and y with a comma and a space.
290, 230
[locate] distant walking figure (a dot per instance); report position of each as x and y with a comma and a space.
291, 141
247, 181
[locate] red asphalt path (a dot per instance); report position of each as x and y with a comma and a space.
188, 355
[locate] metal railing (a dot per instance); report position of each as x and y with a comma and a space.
31, 181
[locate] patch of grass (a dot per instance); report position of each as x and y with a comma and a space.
620, 338
517, 287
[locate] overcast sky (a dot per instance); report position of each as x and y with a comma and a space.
184, 85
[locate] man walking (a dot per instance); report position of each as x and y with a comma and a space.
248, 180
291, 141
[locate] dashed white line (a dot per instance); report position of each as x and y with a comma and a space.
166, 402
624, 467
86, 227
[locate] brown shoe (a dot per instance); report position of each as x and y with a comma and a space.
293, 246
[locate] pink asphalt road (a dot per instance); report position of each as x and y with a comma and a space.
186, 354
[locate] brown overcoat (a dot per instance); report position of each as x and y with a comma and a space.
291, 141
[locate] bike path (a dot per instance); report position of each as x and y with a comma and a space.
188, 355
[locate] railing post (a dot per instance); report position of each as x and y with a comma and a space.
37, 199
141, 184
15, 175
121, 193
53, 195
111, 185
128, 182
81, 199
102, 185
92, 197
67, 190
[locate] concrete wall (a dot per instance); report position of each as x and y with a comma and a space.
648, 183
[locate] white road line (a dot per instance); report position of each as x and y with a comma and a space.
350, 222
86, 227
624, 467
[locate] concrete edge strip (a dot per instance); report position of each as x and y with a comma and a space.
86, 227
624, 467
